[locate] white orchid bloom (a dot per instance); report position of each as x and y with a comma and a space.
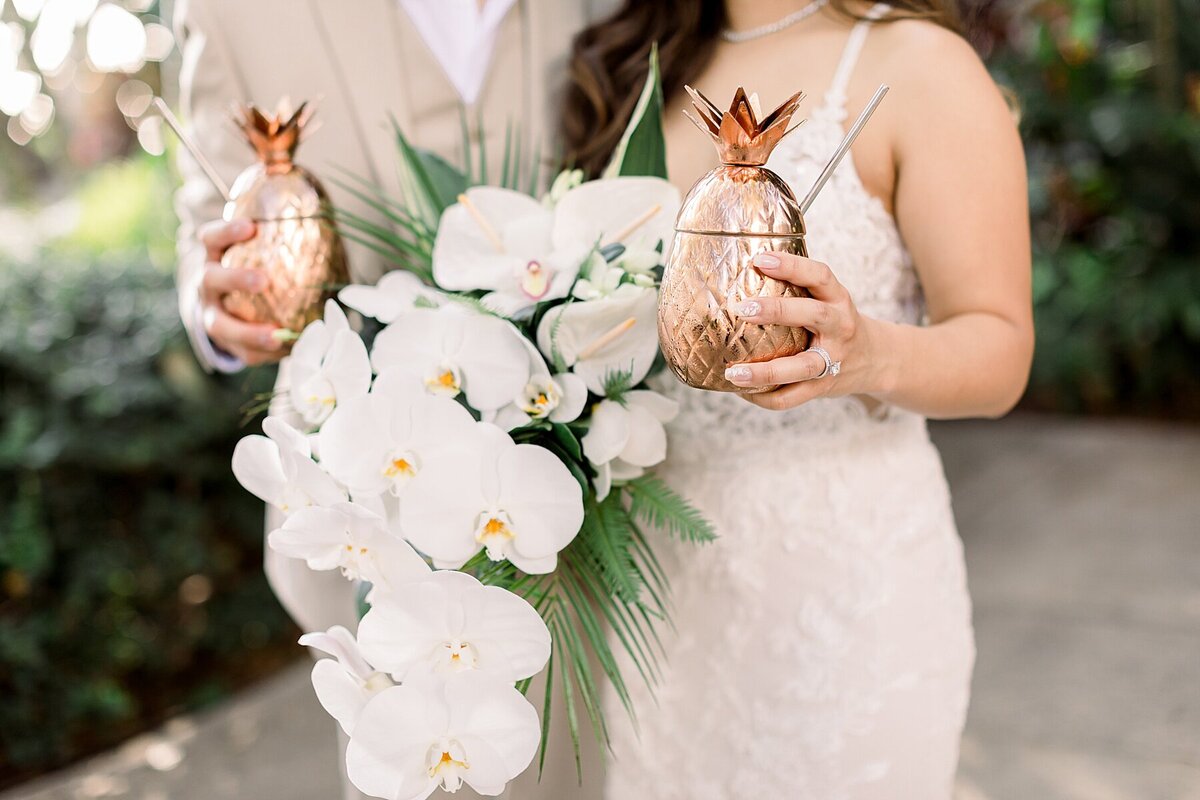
451, 351
396, 292
345, 682
353, 539
592, 337
470, 728
558, 398
329, 364
598, 279
516, 501
452, 622
502, 241
628, 436
375, 444
278, 469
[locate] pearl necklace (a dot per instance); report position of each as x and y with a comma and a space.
737, 37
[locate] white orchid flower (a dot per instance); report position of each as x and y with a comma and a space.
278, 469
350, 538
598, 279
396, 292
452, 622
345, 682
502, 241
451, 351
558, 398
375, 444
628, 436
516, 501
469, 728
597, 338
329, 364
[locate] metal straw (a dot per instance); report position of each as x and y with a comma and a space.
843, 148
164, 111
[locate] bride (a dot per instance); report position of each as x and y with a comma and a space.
824, 646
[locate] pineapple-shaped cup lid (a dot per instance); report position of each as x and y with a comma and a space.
743, 136
273, 136
742, 196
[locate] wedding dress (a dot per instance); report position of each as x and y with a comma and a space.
823, 648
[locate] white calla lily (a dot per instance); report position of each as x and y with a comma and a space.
352, 539
376, 444
516, 501
501, 241
451, 351
278, 469
345, 682
470, 728
452, 622
328, 365
396, 292
596, 338
627, 437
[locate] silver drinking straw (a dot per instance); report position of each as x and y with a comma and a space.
164, 111
843, 148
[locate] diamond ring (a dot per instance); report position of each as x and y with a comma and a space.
832, 368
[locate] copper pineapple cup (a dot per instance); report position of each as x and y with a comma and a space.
733, 213
296, 244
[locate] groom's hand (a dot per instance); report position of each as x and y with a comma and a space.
251, 342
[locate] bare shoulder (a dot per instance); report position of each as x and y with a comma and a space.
941, 83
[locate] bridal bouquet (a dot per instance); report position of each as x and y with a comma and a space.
480, 459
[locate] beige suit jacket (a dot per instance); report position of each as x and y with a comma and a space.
365, 62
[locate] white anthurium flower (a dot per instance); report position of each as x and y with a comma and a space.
353, 539
516, 501
625, 437
376, 444
502, 241
345, 682
452, 622
558, 398
618, 333
451, 352
329, 364
470, 728
278, 469
396, 292
639, 213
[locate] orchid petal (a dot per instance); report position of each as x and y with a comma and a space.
608, 433
574, 398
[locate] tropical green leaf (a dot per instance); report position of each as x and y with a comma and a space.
642, 149
656, 503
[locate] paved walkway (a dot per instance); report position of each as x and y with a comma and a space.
1083, 543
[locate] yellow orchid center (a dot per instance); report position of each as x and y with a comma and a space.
447, 762
459, 656
399, 467
445, 381
540, 397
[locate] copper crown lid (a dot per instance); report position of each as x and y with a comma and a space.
273, 136
740, 136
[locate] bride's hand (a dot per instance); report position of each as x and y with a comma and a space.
833, 319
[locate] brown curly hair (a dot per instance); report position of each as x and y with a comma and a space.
609, 63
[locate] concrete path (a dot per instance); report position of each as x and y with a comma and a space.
1083, 546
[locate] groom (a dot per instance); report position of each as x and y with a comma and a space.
365, 62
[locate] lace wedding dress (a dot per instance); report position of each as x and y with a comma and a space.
824, 646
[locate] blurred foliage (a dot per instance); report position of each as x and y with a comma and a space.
131, 584
1110, 98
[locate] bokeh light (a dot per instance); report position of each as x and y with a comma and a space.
116, 40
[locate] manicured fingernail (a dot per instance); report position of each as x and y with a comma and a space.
269, 341
748, 308
739, 374
766, 261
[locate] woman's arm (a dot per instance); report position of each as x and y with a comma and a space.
961, 204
